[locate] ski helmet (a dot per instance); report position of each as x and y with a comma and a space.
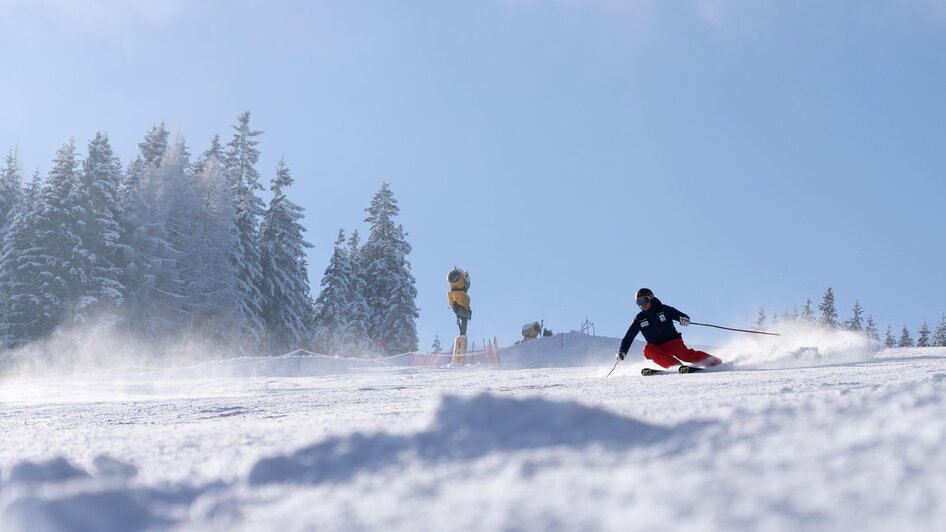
645, 292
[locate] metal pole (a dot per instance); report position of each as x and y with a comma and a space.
737, 330
612, 369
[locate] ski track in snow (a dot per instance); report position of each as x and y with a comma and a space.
851, 439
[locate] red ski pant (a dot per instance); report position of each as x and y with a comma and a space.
675, 351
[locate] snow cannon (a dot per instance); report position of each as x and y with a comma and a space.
459, 281
531, 331
459, 300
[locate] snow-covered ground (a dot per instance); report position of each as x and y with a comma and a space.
810, 431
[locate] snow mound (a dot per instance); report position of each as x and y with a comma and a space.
113, 510
561, 351
56, 495
461, 429
800, 345
55, 470
104, 466
472, 427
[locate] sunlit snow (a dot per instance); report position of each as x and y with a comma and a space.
810, 430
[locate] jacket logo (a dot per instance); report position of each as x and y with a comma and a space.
662, 317
645, 323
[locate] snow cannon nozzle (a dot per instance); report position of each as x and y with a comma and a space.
459, 279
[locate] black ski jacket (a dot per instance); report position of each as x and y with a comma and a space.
656, 325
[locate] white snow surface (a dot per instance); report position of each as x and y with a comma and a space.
808, 431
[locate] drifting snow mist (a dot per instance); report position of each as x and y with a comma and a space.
101, 350
100, 347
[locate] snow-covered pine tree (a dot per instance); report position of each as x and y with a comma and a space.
939, 335
240, 163
18, 274
332, 304
50, 259
375, 260
905, 339
156, 297
215, 152
193, 232
436, 347
871, 329
209, 274
855, 323
9, 198
889, 340
151, 150
154, 145
390, 286
355, 339
96, 254
287, 305
10, 178
829, 314
144, 248
923, 336
400, 319
760, 320
807, 314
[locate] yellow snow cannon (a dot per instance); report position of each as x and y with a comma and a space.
457, 297
459, 281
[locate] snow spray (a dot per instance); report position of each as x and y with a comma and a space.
799, 345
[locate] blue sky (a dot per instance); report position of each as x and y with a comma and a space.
727, 154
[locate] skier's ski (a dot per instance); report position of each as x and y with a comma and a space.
648, 371
683, 369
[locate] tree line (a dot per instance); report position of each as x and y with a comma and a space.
169, 246
828, 318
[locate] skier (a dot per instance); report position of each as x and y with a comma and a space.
664, 344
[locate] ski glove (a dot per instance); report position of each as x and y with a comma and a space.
619, 356
684, 321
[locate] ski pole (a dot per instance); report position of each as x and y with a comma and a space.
737, 330
612, 368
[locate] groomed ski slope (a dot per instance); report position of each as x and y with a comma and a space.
816, 432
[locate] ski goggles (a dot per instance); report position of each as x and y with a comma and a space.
643, 300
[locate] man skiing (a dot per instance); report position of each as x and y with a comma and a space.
664, 344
